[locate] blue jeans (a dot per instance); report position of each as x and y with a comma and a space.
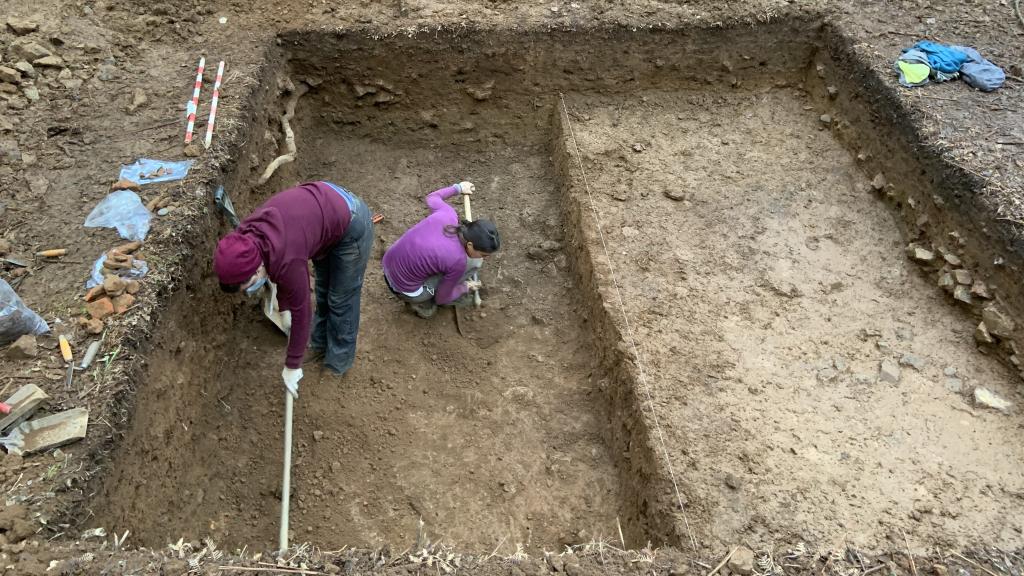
339, 285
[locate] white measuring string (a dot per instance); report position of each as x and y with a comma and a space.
629, 327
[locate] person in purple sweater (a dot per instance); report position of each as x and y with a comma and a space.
317, 221
431, 263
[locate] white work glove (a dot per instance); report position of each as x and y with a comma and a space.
473, 285
291, 378
466, 188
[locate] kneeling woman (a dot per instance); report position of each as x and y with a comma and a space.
430, 265
318, 221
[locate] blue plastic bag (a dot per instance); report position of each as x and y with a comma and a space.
16, 319
122, 210
136, 272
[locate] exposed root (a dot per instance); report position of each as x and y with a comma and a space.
289, 136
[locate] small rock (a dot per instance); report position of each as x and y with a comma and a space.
862, 379
674, 194
335, 466
363, 89
980, 290
122, 303
833, 92
100, 308
884, 346
955, 385
879, 182
840, 363
742, 561
963, 277
9, 75
998, 323
23, 347
986, 398
889, 371
114, 285
920, 255
125, 185
950, 371
732, 481
139, 100
946, 282
31, 92
133, 287
91, 325
27, 50
962, 294
940, 570
21, 26
638, 147
71, 83
163, 212
982, 335
318, 435
5, 247
827, 375
25, 68
106, 72
193, 150
49, 61
621, 195
952, 259
825, 119
481, 93
914, 361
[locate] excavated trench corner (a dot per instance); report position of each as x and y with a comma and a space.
704, 152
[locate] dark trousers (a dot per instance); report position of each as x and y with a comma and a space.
339, 286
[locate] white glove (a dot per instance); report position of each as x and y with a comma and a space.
473, 285
291, 378
466, 188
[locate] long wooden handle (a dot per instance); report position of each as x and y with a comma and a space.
286, 480
469, 209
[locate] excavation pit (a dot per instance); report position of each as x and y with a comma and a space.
764, 281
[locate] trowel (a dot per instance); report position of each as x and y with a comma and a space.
281, 318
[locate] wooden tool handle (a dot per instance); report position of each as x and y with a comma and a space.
469, 209
65, 348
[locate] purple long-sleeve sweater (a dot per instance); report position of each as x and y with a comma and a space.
292, 227
426, 250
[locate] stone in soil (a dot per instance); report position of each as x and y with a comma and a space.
954, 385
946, 282
31, 92
962, 294
139, 100
133, 287
998, 323
114, 286
982, 335
914, 361
986, 398
22, 26
742, 561
122, 303
23, 49
879, 182
126, 185
889, 371
674, 194
920, 255
91, 325
49, 61
825, 120
9, 75
23, 403
980, 289
49, 432
25, 68
24, 347
15, 524
952, 259
732, 481
827, 375
100, 308
963, 277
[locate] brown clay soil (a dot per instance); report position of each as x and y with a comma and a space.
762, 298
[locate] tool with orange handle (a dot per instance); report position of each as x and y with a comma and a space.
65, 351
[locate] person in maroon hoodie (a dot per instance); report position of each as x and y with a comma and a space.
317, 221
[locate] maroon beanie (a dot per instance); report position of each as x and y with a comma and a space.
236, 258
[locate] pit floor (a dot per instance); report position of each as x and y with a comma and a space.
779, 261
491, 438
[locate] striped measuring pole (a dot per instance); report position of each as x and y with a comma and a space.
194, 105
213, 105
